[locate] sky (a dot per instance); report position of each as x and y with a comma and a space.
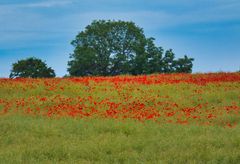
207, 30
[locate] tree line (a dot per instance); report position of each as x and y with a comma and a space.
107, 48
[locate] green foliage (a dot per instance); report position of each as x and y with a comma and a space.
184, 65
106, 48
119, 47
31, 67
168, 62
154, 55
170, 65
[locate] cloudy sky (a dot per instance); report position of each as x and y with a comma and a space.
207, 30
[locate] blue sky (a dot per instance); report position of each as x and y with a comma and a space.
207, 30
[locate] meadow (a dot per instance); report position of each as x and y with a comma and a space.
159, 118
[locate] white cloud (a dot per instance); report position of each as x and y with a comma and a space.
21, 25
43, 4
48, 3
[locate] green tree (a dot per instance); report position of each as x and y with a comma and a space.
106, 48
83, 63
154, 57
183, 65
32, 68
119, 47
168, 62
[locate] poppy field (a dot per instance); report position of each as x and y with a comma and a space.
182, 118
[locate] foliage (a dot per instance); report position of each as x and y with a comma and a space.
184, 65
31, 67
119, 47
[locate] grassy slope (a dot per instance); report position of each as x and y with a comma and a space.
35, 139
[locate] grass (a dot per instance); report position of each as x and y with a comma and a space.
43, 140
29, 135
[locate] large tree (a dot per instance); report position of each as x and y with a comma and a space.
32, 68
106, 48
118, 47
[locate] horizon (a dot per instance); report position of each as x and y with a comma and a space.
209, 32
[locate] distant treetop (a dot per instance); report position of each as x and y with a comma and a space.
32, 68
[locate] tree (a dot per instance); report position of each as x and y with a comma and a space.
154, 57
32, 68
168, 62
106, 48
183, 65
119, 47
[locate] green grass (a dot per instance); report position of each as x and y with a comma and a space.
42, 140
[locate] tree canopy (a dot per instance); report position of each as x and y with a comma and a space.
32, 68
119, 47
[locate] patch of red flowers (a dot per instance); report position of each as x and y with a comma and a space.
128, 100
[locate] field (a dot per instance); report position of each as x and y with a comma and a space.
174, 118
